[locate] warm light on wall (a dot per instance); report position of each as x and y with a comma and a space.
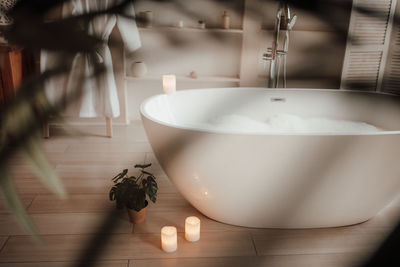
169, 83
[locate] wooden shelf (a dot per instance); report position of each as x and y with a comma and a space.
185, 78
190, 29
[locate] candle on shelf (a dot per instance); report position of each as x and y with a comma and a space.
169, 83
192, 229
180, 24
169, 239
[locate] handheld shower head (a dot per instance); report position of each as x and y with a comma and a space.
285, 20
292, 22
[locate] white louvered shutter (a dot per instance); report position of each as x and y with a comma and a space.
367, 44
391, 82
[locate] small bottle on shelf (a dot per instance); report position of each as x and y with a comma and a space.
226, 21
193, 75
138, 69
201, 24
146, 19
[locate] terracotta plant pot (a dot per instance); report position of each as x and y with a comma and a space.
137, 217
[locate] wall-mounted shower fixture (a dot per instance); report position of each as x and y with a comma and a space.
285, 21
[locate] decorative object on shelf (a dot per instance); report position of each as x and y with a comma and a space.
146, 18
169, 239
5, 6
169, 83
179, 24
192, 229
5, 21
226, 21
201, 24
193, 75
130, 192
138, 69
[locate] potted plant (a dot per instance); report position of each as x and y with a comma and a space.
131, 192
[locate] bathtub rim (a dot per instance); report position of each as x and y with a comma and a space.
145, 114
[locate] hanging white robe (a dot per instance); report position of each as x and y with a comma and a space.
100, 97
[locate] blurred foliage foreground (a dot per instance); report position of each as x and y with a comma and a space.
22, 118
34, 28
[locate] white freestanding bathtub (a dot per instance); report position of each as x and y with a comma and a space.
278, 180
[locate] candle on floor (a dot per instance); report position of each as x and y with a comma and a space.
169, 239
169, 83
192, 229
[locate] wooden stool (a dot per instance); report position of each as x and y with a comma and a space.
109, 129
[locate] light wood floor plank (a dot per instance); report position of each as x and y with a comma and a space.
128, 158
31, 185
84, 179
64, 223
100, 203
170, 202
74, 203
26, 200
54, 147
3, 240
110, 147
122, 263
37, 264
126, 246
331, 260
54, 248
316, 241
103, 171
96, 134
71, 158
76, 185
157, 219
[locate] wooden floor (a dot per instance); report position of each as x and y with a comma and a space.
87, 164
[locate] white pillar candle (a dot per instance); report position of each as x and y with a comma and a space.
169, 83
180, 24
169, 239
192, 229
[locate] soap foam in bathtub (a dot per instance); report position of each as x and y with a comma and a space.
287, 123
235, 122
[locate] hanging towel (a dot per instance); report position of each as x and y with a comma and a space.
99, 95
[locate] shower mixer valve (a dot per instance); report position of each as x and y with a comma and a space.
284, 22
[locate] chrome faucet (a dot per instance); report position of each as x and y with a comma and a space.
285, 22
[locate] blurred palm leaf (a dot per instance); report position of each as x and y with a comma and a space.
21, 120
44, 171
15, 205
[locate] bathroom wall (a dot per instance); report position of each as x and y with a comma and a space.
317, 43
225, 58
233, 58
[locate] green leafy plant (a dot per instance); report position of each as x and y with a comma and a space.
131, 191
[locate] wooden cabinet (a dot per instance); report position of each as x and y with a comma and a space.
11, 71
